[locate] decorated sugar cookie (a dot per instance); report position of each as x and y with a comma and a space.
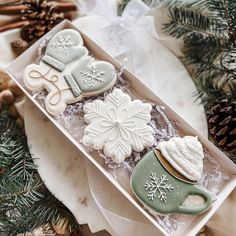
185, 155
65, 47
117, 125
163, 180
68, 73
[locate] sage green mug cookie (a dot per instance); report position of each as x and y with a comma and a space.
163, 192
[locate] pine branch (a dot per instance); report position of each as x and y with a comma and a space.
213, 8
17, 194
208, 31
209, 57
7, 122
208, 93
14, 152
198, 5
25, 202
201, 49
184, 21
47, 209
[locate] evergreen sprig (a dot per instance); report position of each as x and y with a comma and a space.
206, 87
184, 21
25, 202
208, 30
213, 7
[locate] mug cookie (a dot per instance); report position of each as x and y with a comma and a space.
161, 187
117, 125
68, 73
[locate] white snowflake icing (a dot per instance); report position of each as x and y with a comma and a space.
62, 44
117, 125
157, 185
89, 78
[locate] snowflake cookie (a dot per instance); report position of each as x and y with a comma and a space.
68, 73
117, 125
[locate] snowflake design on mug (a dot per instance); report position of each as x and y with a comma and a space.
157, 185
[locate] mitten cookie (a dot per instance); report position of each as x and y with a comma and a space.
68, 73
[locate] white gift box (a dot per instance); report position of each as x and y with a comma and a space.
192, 224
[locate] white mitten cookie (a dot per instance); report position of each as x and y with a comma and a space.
68, 73
42, 76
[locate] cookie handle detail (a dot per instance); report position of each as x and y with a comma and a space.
198, 209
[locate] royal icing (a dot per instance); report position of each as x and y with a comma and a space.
117, 125
68, 73
157, 187
185, 155
162, 193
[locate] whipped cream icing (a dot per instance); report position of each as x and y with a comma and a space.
185, 155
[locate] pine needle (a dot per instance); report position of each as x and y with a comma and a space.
25, 202
208, 29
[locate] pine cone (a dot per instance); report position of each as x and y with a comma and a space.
42, 17
19, 46
222, 125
